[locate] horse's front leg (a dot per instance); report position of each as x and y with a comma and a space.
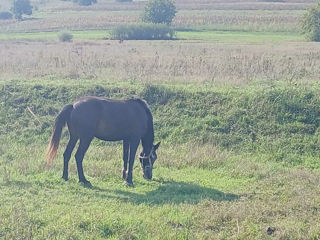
133, 149
83, 147
125, 158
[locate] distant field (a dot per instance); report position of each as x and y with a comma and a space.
240, 37
216, 36
92, 34
210, 15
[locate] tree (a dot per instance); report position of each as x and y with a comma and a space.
159, 11
311, 23
82, 2
21, 7
65, 37
5, 15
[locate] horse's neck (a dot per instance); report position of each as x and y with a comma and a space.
147, 142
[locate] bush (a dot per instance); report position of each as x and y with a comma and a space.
143, 32
20, 7
86, 2
65, 37
159, 11
5, 15
311, 23
82, 2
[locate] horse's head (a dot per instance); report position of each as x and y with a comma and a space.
147, 161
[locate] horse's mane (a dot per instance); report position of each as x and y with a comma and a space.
145, 105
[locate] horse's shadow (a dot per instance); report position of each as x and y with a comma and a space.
168, 192
172, 192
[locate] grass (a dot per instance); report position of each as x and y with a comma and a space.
279, 124
212, 36
233, 163
240, 200
240, 20
235, 63
242, 16
92, 34
235, 104
154, 209
240, 36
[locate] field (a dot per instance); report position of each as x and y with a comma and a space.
236, 106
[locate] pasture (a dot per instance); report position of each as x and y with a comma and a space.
236, 105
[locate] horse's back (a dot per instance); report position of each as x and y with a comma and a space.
109, 120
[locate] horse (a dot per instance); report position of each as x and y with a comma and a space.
129, 121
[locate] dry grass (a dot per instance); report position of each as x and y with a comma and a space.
241, 20
227, 15
161, 61
75, 21
107, 5
225, 20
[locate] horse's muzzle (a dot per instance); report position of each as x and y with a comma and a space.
148, 177
147, 173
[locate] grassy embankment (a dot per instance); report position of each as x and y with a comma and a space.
233, 162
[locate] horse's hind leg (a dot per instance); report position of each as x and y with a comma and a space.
67, 154
133, 149
83, 147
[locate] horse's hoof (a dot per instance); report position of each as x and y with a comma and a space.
128, 184
86, 184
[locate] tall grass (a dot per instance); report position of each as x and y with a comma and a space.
241, 20
178, 61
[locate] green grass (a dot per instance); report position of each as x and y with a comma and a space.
281, 122
212, 36
240, 37
237, 199
49, 207
233, 162
91, 34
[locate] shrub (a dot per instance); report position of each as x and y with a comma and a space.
82, 2
5, 15
20, 7
86, 2
159, 11
311, 23
143, 32
65, 37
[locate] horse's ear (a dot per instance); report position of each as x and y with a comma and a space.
155, 147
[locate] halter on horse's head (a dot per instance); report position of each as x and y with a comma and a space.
147, 161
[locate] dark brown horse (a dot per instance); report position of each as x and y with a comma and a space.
108, 120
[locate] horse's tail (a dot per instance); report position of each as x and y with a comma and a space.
60, 122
